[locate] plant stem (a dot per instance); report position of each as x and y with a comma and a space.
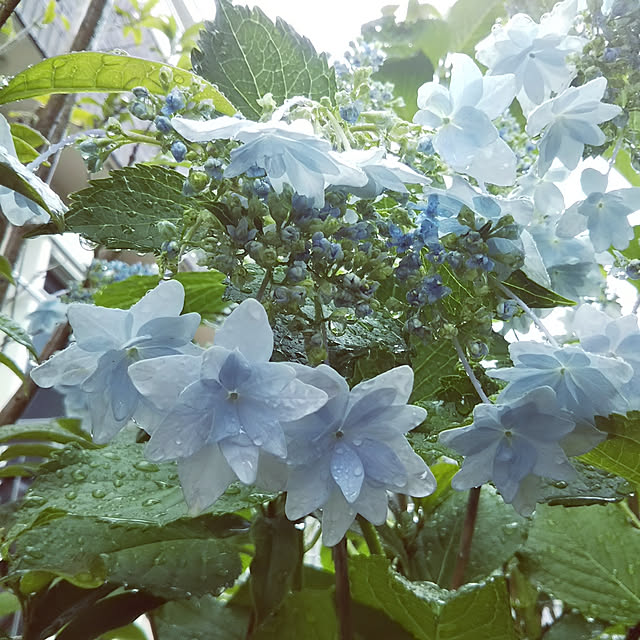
539, 324
469, 371
6, 9
343, 592
371, 536
263, 285
466, 538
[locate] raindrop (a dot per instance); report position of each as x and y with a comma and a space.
145, 465
357, 472
150, 502
560, 484
117, 483
35, 501
98, 493
79, 475
71, 495
119, 473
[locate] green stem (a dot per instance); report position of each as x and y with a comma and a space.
371, 537
635, 521
343, 592
363, 127
263, 285
457, 580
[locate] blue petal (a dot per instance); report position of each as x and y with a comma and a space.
347, 470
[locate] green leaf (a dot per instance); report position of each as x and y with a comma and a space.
278, 553
203, 292
470, 21
620, 452
589, 557
172, 561
5, 270
308, 614
28, 450
122, 211
247, 56
203, 618
91, 72
16, 332
499, 532
624, 166
15, 176
8, 603
535, 295
25, 152
117, 484
407, 75
8, 362
30, 135
60, 430
50, 12
473, 612
430, 362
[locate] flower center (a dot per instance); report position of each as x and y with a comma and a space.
232, 395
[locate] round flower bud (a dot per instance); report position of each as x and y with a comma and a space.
179, 150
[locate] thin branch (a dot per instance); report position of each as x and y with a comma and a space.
530, 313
7, 7
371, 536
23, 396
263, 285
469, 371
58, 146
343, 592
457, 580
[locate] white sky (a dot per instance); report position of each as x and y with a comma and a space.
330, 25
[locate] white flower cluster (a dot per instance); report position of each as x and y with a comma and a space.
227, 413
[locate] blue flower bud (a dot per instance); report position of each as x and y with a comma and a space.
297, 272
141, 110
175, 100
140, 92
213, 168
179, 150
163, 124
171, 248
425, 145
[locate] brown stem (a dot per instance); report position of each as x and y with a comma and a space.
457, 580
11, 252
343, 593
7, 7
21, 398
633, 633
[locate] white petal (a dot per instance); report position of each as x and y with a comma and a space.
165, 300
99, 328
69, 367
337, 516
247, 329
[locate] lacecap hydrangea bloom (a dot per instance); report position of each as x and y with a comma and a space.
346, 456
604, 213
224, 410
508, 442
535, 53
107, 342
461, 115
569, 121
288, 153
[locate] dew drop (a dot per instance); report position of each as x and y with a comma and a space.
35, 501
119, 473
118, 483
98, 493
145, 465
79, 475
150, 502
71, 495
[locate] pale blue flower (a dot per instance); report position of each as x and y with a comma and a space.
384, 172
465, 138
47, 316
224, 409
535, 53
17, 209
585, 383
107, 342
570, 121
604, 214
612, 337
509, 441
346, 456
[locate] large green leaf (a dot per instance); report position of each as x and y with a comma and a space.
589, 557
475, 612
203, 292
535, 295
470, 21
172, 561
6, 269
247, 56
89, 72
308, 614
620, 452
430, 362
60, 430
122, 211
203, 618
15, 176
499, 532
116, 484
16, 332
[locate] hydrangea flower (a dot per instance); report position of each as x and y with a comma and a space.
585, 383
508, 442
289, 154
535, 53
604, 214
570, 121
465, 138
47, 316
385, 172
612, 337
107, 342
346, 456
224, 409
18, 209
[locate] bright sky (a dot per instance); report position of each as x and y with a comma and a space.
330, 25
